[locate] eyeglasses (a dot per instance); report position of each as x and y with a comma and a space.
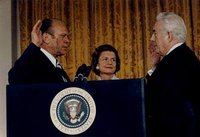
108, 60
61, 36
64, 36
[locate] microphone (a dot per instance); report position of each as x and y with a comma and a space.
82, 73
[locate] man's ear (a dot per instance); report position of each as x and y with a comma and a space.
46, 37
170, 36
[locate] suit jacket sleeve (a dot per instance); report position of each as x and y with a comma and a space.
20, 67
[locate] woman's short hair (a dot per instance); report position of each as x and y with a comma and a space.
97, 53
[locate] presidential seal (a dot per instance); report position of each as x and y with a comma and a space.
73, 111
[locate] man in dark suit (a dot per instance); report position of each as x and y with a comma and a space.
173, 107
38, 63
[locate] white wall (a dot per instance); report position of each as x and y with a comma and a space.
5, 58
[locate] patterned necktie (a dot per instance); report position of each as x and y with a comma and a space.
61, 72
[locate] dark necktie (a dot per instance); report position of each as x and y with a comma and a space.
61, 72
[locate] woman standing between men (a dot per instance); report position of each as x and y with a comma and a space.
105, 62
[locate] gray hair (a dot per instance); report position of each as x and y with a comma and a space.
173, 23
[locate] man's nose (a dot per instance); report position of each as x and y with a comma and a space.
67, 39
153, 37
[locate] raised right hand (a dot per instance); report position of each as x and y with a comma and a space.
155, 57
36, 34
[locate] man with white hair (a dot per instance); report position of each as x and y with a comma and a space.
173, 109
